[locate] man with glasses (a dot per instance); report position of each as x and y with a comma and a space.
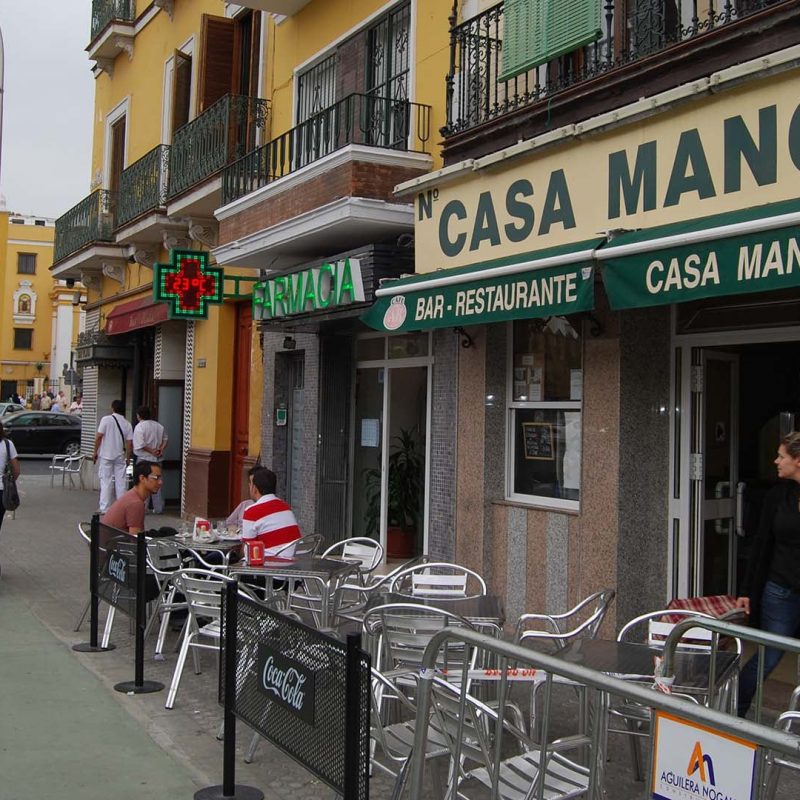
127, 512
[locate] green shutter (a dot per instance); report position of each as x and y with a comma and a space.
536, 31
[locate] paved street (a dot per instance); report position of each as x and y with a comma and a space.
62, 721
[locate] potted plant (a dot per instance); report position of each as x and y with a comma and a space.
406, 466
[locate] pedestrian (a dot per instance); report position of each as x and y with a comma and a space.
36, 403
60, 403
149, 444
76, 407
8, 454
772, 582
112, 448
46, 401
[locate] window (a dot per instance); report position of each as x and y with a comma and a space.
23, 339
316, 88
26, 263
546, 387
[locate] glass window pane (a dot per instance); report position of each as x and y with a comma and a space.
547, 453
373, 349
408, 345
547, 361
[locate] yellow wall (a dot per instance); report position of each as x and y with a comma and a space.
15, 239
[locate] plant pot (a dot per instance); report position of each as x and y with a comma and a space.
399, 543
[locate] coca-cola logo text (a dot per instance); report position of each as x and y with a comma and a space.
287, 682
118, 568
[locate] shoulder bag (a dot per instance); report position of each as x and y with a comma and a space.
10, 493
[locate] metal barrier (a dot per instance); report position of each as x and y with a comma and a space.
721, 628
117, 575
302, 690
665, 706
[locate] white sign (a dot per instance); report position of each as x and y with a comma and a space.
692, 762
370, 433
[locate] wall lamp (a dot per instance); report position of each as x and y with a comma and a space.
289, 343
466, 339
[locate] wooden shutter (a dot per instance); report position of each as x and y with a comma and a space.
181, 89
537, 31
216, 60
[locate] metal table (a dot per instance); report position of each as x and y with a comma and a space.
325, 573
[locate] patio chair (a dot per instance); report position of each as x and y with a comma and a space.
304, 546
438, 579
164, 560
471, 729
84, 531
67, 466
652, 629
366, 552
788, 721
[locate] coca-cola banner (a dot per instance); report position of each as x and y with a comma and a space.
286, 682
118, 568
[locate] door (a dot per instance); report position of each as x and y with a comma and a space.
295, 413
170, 415
240, 400
117, 161
716, 493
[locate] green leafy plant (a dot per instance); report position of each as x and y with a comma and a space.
406, 467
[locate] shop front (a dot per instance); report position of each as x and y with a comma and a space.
625, 291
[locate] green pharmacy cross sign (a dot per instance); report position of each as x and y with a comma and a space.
188, 284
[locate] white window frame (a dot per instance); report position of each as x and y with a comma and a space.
122, 109
187, 48
512, 406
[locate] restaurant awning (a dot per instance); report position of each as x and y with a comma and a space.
753, 250
546, 283
141, 313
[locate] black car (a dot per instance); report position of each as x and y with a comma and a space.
44, 432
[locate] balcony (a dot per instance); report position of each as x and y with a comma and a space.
359, 119
652, 43
112, 31
223, 133
143, 185
88, 222
286, 7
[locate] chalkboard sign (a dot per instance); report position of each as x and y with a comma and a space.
538, 439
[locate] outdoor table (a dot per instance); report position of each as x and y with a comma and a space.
326, 573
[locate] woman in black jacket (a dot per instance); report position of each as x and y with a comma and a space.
772, 585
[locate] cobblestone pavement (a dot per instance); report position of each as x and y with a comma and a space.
45, 565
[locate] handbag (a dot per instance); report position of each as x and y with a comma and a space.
10, 493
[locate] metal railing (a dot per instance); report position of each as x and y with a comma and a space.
91, 220
106, 11
503, 653
224, 132
143, 185
475, 94
355, 119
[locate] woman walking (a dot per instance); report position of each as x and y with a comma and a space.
772, 585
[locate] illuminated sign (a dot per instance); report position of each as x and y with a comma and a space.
188, 284
317, 289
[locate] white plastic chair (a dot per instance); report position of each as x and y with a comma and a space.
438, 579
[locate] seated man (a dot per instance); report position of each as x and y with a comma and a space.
268, 518
235, 517
127, 512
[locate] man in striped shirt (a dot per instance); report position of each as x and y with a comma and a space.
269, 518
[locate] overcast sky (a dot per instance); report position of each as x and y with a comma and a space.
47, 105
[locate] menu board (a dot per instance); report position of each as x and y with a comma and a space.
538, 441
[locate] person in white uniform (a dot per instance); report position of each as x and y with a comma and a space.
112, 448
149, 444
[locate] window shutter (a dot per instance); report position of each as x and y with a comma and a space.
537, 31
216, 60
181, 89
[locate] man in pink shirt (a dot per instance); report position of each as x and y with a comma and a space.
269, 519
127, 513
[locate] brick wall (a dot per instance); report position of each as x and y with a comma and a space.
354, 179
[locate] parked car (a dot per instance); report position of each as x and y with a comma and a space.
10, 408
44, 432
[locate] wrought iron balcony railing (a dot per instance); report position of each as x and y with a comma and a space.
143, 185
224, 132
91, 220
356, 119
630, 31
105, 11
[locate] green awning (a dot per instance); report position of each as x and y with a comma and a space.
546, 283
741, 252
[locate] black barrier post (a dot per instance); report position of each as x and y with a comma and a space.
94, 601
352, 720
139, 685
229, 790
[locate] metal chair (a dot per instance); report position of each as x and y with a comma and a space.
471, 729
67, 465
304, 546
653, 628
788, 721
367, 552
438, 579
84, 531
164, 560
